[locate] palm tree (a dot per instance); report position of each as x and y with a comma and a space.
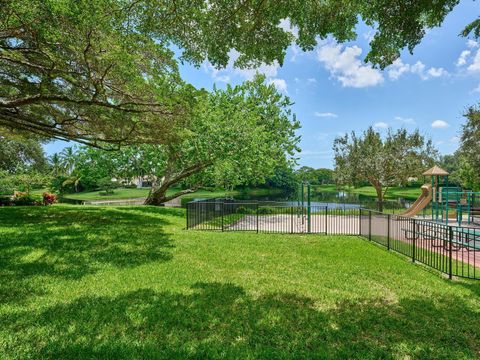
56, 164
68, 158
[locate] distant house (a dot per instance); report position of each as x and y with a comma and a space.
142, 181
139, 181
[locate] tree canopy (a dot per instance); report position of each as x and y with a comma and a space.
103, 72
313, 176
382, 161
469, 152
20, 155
239, 135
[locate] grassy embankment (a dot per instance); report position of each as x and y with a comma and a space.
129, 282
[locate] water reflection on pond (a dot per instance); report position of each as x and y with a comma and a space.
331, 199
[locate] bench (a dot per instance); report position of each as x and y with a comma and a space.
460, 240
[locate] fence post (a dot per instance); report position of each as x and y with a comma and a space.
326, 220
360, 222
388, 231
291, 219
222, 213
414, 239
257, 217
188, 205
370, 225
450, 255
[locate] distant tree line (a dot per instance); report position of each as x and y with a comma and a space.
464, 164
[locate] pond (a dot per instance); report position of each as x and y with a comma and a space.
331, 199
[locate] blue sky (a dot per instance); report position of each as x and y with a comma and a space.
334, 91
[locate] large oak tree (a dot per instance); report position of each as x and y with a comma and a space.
235, 136
103, 72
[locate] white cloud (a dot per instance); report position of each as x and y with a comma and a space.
326, 114
398, 68
405, 120
470, 57
369, 35
437, 72
224, 75
311, 80
216, 74
419, 69
454, 139
440, 124
345, 66
462, 59
296, 52
472, 43
280, 84
477, 89
380, 125
286, 25
475, 65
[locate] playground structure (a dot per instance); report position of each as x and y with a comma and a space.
448, 203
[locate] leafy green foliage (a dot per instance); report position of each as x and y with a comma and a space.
107, 185
81, 70
383, 162
472, 28
283, 178
315, 176
235, 136
27, 200
468, 175
470, 149
25, 181
104, 72
19, 154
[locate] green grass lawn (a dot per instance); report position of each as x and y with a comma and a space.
130, 282
122, 194
392, 193
118, 194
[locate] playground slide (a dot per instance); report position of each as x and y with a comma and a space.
421, 203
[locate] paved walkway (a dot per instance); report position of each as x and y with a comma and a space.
285, 223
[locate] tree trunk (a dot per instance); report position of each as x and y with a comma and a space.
378, 189
156, 199
158, 192
159, 197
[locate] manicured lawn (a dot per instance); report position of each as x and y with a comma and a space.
129, 282
392, 193
118, 194
121, 194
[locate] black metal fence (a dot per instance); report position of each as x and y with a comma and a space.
271, 217
450, 249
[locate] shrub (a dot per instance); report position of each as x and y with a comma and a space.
49, 199
20, 199
5, 200
107, 185
244, 210
264, 210
130, 186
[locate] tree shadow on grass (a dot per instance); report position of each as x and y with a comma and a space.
67, 242
223, 321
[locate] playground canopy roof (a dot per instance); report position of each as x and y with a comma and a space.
436, 171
